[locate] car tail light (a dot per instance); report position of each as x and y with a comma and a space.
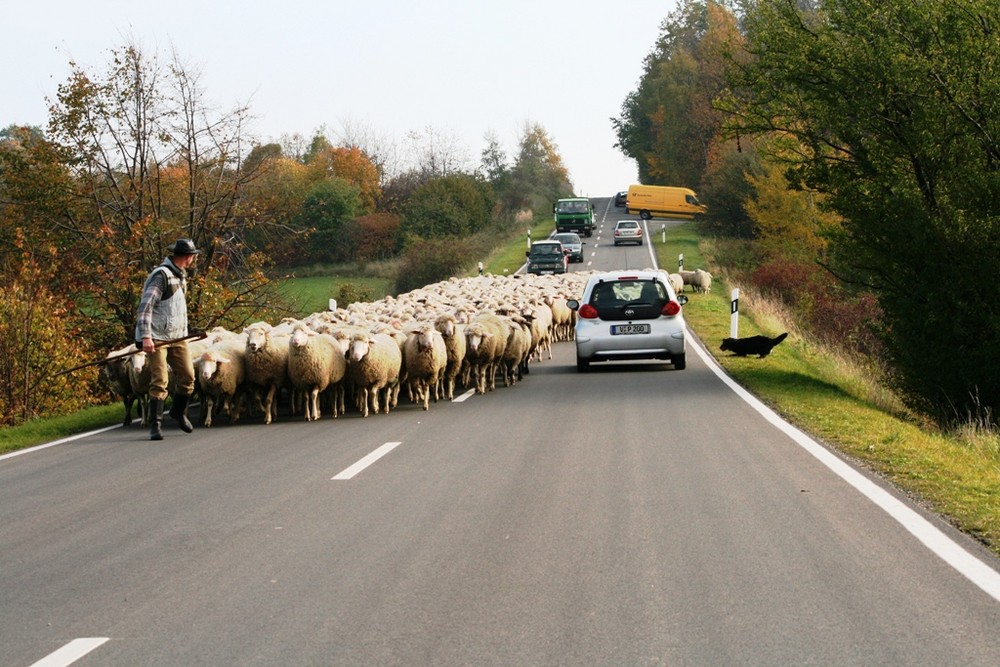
670, 309
588, 312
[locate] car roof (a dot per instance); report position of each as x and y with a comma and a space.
625, 274
636, 222
566, 235
547, 242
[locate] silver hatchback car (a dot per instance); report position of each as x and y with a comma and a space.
629, 315
627, 231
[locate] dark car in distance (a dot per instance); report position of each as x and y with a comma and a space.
546, 257
620, 199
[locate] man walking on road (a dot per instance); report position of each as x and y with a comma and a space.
162, 318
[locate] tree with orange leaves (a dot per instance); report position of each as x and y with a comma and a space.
352, 165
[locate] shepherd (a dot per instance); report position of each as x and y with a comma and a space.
161, 329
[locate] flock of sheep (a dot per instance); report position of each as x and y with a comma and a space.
463, 331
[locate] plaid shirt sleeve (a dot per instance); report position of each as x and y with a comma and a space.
151, 293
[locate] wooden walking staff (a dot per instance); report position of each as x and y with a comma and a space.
199, 335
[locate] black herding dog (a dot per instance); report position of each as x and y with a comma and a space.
761, 345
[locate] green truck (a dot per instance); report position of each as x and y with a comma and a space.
574, 214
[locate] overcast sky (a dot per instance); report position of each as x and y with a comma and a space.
461, 67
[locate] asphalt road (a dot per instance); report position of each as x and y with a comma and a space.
633, 515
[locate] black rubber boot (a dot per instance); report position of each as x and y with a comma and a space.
178, 411
155, 418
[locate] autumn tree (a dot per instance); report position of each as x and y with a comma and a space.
538, 176
668, 123
353, 166
277, 195
897, 108
152, 162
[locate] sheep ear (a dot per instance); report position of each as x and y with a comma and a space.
222, 360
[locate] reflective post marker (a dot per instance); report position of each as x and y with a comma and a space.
734, 317
663, 231
680, 262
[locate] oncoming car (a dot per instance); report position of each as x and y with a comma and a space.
572, 243
628, 231
629, 315
546, 257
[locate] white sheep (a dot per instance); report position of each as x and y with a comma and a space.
221, 374
562, 318
486, 339
703, 281
515, 355
267, 366
539, 316
688, 278
425, 357
315, 362
676, 281
373, 366
454, 340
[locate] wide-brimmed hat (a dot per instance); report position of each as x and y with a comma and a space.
183, 247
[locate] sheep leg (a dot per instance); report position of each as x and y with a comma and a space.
315, 403
362, 400
209, 403
269, 405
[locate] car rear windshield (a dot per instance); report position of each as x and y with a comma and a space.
629, 299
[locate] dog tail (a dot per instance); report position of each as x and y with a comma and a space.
778, 339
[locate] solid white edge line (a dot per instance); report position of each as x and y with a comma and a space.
71, 438
353, 470
947, 549
71, 652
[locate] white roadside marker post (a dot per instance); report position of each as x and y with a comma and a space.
734, 310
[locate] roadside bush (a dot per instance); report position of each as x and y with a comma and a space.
374, 236
453, 205
353, 293
429, 261
830, 311
37, 340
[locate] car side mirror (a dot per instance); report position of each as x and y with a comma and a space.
573, 304
527, 253
682, 299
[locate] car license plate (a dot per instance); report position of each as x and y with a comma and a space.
627, 329
548, 272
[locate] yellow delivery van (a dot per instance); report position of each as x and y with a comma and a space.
663, 201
